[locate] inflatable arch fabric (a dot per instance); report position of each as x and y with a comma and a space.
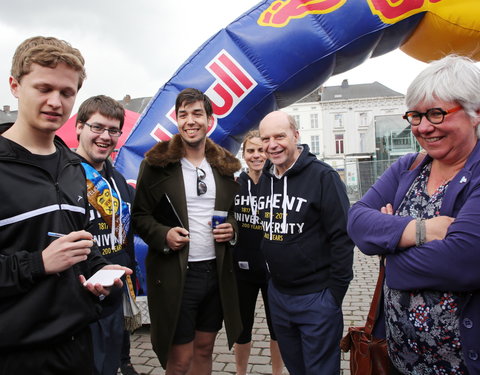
279, 51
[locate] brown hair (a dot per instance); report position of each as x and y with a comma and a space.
102, 104
189, 96
47, 52
251, 134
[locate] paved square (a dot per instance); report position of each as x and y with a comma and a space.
355, 310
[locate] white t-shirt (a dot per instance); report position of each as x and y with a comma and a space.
200, 211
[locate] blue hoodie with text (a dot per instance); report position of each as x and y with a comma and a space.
304, 218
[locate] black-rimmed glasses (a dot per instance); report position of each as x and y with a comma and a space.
99, 129
201, 185
434, 115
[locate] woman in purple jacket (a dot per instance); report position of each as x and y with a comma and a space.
425, 220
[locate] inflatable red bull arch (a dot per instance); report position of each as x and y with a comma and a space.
279, 51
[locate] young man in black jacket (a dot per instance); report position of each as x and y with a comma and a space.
45, 309
303, 207
190, 280
99, 125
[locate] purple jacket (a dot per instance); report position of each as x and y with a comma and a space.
451, 264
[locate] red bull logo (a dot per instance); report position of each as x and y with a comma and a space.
281, 12
392, 11
161, 133
232, 84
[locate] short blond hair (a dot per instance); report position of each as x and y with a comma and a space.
47, 52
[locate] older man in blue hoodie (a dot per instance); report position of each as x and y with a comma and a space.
303, 208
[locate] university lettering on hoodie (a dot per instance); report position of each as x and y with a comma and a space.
103, 240
277, 205
108, 211
246, 218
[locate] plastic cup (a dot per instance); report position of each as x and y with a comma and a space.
219, 217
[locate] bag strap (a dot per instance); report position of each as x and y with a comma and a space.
418, 159
374, 306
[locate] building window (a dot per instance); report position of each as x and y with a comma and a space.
338, 120
363, 119
339, 143
314, 120
297, 120
363, 142
315, 144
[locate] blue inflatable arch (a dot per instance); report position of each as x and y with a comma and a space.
279, 51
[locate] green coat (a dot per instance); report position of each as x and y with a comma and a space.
161, 173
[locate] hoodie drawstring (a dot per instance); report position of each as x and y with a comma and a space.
284, 205
253, 206
115, 239
271, 206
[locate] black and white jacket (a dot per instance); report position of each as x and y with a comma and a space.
35, 308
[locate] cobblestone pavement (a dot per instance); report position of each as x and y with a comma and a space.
355, 309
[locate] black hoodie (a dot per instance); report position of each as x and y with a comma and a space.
305, 239
37, 309
122, 253
248, 258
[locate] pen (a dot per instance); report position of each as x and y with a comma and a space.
58, 235
54, 234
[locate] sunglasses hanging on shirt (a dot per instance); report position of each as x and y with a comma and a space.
201, 185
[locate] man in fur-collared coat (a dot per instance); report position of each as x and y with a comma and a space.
190, 279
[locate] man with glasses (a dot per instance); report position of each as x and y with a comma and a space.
98, 127
191, 285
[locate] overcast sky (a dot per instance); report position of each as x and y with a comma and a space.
134, 47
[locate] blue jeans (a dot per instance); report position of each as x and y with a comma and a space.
308, 328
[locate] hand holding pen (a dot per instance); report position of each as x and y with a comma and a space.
97, 289
66, 250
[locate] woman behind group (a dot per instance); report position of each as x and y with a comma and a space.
250, 266
426, 221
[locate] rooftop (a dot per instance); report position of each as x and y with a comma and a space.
346, 92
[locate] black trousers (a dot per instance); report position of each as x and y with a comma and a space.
247, 295
73, 356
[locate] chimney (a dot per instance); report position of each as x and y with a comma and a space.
345, 84
320, 92
6, 108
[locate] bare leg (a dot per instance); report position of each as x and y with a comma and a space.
277, 362
202, 353
242, 353
180, 359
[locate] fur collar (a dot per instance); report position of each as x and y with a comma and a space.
169, 152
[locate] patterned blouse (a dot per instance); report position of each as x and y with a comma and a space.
423, 331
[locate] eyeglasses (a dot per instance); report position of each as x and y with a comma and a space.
99, 129
434, 115
201, 185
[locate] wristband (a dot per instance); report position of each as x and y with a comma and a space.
420, 232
